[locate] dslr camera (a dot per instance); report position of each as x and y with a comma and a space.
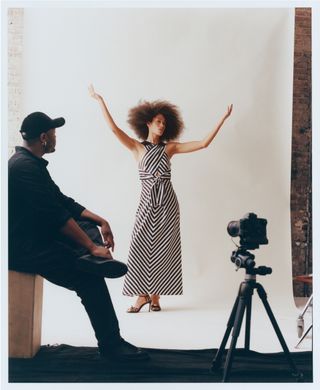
253, 233
251, 230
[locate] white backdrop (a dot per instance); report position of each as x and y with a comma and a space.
202, 60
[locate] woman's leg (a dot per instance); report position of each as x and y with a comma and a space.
143, 299
155, 305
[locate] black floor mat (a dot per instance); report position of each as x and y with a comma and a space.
64, 363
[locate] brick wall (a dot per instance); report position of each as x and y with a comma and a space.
301, 180
15, 50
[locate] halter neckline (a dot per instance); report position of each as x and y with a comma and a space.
150, 143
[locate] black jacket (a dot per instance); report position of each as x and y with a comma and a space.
37, 207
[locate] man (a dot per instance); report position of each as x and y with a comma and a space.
49, 231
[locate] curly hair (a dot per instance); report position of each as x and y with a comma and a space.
144, 113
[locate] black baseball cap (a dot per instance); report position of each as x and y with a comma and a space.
38, 122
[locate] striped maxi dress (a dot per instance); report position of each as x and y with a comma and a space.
154, 263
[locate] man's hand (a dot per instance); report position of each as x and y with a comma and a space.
107, 235
104, 225
101, 251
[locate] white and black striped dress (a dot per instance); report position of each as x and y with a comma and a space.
154, 264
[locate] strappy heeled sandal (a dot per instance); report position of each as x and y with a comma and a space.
135, 309
155, 307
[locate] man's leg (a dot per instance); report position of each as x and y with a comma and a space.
108, 268
57, 264
91, 229
59, 268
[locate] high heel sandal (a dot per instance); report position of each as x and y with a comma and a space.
134, 309
155, 307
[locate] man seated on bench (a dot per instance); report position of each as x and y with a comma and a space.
49, 231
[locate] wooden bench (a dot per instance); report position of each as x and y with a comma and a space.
25, 314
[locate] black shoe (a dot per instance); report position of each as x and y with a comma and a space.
108, 268
123, 351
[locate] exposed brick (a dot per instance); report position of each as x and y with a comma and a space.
301, 181
15, 50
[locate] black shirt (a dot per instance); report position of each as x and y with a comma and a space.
37, 207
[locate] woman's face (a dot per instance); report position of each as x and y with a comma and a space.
158, 125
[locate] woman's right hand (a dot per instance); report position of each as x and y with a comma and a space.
127, 141
93, 93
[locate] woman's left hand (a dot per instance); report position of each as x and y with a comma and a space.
228, 113
107, 235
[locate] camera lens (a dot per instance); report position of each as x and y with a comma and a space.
233, 228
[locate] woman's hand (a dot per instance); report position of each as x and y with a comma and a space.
93, 93
229, 111
107, 235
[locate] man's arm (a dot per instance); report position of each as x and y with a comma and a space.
72, 230
74, 208
105, 227
78, 211
30, 181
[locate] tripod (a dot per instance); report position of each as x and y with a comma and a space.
243, 303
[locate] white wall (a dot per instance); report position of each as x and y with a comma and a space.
202, 60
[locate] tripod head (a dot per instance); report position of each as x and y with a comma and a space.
242, 258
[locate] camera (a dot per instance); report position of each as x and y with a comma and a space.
251, 230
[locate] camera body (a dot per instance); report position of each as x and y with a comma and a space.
251, 230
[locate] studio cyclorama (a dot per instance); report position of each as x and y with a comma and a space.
159, 194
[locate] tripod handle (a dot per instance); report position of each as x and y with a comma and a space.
263, 270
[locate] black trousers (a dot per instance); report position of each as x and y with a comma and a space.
56, 263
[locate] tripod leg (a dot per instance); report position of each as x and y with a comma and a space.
263, 296
304, 335
308, 304
235, 335
216, 362
248, 323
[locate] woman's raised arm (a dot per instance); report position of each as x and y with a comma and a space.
127, 141
187, 147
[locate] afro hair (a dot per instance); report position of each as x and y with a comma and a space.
144, 113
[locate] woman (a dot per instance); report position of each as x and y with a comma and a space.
154, 265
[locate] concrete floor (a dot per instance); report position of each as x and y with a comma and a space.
180, 325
